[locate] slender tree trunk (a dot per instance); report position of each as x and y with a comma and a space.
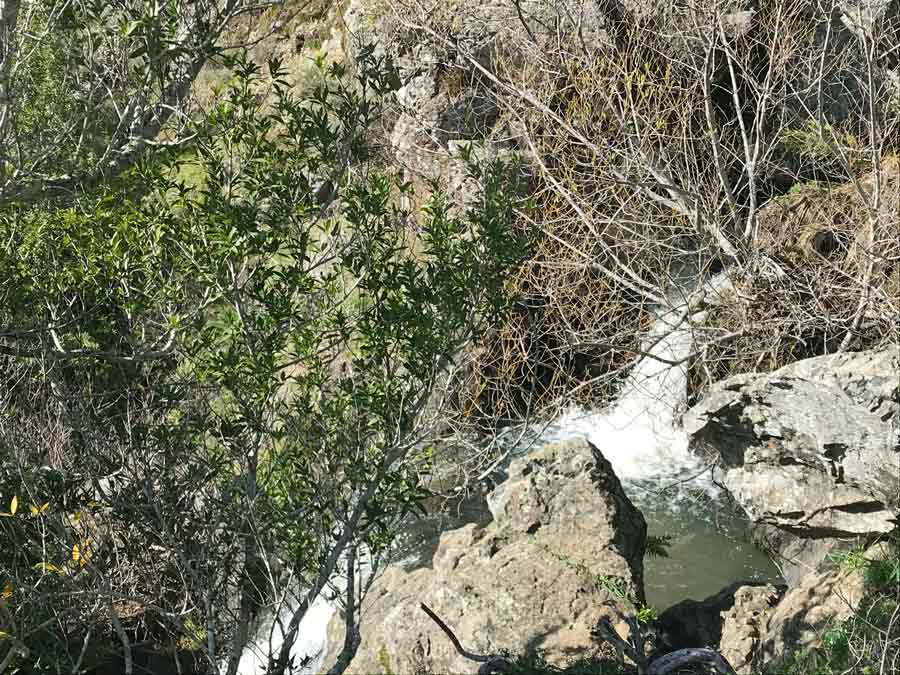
9, 15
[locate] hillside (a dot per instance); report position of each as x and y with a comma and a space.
576, 322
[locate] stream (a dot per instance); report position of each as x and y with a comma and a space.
641, 437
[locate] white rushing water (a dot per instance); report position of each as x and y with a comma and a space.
309, 648
639, 434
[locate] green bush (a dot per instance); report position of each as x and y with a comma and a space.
218, 387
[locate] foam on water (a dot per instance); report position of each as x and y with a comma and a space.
640, 433
310, 646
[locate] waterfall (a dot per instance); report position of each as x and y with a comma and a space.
640, 434
309, 648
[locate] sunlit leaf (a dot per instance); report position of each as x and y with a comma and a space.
14, 505
48, 567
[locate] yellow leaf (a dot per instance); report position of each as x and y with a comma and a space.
81, 553
39, 510
14, 505
48, 567
3, 635
6, 592
76, 517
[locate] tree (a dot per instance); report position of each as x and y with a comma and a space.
219, 374
671, 141
86, 86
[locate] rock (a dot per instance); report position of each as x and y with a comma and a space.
731, 621
871, 379
537, 577
744, 623
811, 449
798, 556
446, 98
439, 101
695, 623
818, 601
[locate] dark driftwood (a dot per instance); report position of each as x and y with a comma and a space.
632, 649
671, 663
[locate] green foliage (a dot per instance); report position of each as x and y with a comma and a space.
234, 370
817, 141
44, 100
658, 545
646, 614
852, 560
884, 573
91, 82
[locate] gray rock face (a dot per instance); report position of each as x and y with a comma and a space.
744, 623
731, 621
528, 580
819, 601
811, 449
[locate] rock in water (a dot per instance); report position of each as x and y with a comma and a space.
812, 449
535, 578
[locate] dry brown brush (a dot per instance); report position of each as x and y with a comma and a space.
670, 142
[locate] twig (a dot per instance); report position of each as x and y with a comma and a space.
491, 664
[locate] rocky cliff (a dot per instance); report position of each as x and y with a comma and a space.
811, 451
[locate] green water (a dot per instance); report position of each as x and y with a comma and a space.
710, 550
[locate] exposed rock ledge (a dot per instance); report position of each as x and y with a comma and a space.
811, 451
504, 586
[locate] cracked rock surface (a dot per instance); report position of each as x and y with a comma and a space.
533, 578
810, 451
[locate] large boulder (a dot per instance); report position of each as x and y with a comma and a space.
812, 450
537, 577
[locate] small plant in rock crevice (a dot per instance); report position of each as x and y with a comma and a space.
868, 643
